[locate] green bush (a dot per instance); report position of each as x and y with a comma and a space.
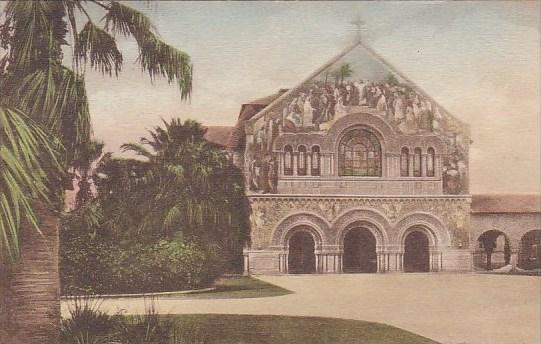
101, 266
164, 266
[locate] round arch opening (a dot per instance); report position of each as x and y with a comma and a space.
529, 256
493, 251
359, 251
416, 252
360, 154
301, 257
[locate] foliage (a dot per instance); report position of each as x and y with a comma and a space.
94, 262
392, 80
87, 324
146, 328
28, 165
343, 72
182, 186
226, 328
176, 218
49, 95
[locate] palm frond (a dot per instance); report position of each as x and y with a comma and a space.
38, 33
57, 99
98, 46
127, 21
137, 149
157, 58
28, 157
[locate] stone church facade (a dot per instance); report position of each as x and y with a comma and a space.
356, 169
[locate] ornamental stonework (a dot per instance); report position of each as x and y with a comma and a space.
268, 212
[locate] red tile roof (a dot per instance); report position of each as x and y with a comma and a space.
237, 139
218, 134
506, 203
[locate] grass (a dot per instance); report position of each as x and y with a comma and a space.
238, 287
274, 329
89, 325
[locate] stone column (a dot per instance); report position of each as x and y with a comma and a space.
514, 254
295, 162
282, 263
246, 265
410, 164
423, 165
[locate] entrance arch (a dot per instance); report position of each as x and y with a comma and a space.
529, 257
416, 252
493, 250
359, 251
301, 257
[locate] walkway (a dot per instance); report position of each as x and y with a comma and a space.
450, 308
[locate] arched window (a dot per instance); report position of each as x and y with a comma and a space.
288, 160
404, 162
360, 154
417, 162
430, 162
315, 170
301, 162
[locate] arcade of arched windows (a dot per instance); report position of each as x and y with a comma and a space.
302, 162
415, 163
306, 160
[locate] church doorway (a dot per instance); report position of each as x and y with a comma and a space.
359, 251
416, 252
301, 258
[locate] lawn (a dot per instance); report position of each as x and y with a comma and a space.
271, 329
237, 287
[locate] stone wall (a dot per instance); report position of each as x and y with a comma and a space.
444, 219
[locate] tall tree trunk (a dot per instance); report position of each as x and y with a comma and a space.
33, 296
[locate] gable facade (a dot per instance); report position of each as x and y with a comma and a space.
356, 169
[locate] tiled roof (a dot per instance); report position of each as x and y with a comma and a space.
218, 134
237, 138
506, 203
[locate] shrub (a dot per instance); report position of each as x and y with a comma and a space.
106, 268
87, 324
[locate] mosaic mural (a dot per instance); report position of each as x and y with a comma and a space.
358, 81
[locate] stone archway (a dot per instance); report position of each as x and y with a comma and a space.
359, 251
493, 250
301, 252
529, 257
416, 252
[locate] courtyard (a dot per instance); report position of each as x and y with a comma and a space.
448, 308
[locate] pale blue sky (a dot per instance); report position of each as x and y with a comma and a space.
480, 60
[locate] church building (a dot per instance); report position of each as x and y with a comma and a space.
356, 169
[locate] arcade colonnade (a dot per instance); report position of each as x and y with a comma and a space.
501, 239
359, 240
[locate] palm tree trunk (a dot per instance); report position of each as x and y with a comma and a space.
33, 302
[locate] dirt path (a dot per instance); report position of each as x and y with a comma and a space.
450, 308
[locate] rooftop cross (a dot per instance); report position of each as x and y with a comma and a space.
359, 26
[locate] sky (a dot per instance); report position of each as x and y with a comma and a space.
479, 60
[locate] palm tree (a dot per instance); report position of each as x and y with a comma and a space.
187, 187
43, 99
342, 72
83, 169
